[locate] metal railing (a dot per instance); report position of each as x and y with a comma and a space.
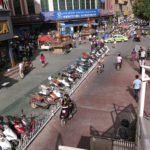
40, 124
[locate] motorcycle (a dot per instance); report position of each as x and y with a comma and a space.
10, 135
22, 125
118, 66
64, 115
4, 143
100, 68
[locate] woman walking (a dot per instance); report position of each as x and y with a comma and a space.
42, 57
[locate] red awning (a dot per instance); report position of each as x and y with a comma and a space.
45, 38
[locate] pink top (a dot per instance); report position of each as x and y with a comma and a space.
42, 58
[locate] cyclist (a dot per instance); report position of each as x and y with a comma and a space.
119, 60
100, 65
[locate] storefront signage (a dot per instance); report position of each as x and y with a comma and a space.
106, 12
102, 1
55, 15
4, 27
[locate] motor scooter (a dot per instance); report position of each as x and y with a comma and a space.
4, 143
118, 67
64, 115
9, 134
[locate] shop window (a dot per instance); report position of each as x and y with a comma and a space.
44, 5
17, 7
87, 4
98, 4
82, 4
30, 4
103, 5
62, 5
76, 4
92, 4
69, 4
55, 5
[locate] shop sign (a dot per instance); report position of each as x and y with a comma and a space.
4, 27
106, 12
70, 14
102, 1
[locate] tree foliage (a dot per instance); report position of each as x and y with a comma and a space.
141, 9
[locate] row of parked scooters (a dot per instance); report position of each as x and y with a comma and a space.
53, 93
14, 130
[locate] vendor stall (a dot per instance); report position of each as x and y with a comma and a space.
44, 42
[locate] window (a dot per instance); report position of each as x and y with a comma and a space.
30, 4
76, 4
17, 7
87, 4
44, 5
55, 5
69, 4
62, 5
102, 5
92, 4
98, 4
82, 4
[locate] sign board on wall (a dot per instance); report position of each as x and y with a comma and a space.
106, 12
102, 1
4, 27
54, 15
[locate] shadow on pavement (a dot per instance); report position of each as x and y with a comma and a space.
6, 82
84, 143
59, 141
126, 113
121, 113
131, 91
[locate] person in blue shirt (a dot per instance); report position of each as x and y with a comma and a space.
136, 86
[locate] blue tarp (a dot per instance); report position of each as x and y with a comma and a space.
70, 14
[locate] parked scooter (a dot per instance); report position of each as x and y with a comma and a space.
9, 134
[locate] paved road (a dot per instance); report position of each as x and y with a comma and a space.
15, 97
99, 100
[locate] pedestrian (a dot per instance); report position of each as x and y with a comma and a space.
133, 54
80, 40
136, 86
21, 67
42, 58
141, 63
114, 44
143, 54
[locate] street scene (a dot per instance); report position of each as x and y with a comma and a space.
74, 75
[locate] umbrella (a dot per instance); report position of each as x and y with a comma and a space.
45, 38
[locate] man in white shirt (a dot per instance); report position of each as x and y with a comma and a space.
21, 65
143, 54
119, 60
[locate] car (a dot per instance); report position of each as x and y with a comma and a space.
118, 38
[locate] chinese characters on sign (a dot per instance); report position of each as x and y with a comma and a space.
54, 15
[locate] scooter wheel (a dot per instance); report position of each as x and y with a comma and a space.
16, 143
33, 105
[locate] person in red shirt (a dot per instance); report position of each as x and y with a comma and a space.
42, 58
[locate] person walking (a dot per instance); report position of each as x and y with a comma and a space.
143, 54
114, 44
136, 86
141, 63
42, 58
21, 67
133, 55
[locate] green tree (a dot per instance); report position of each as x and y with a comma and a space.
141, 9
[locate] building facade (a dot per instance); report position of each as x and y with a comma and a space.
25, 11
6, 34
122, 7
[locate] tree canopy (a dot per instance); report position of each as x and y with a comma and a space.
141, 9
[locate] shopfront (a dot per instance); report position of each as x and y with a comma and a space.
6, 34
